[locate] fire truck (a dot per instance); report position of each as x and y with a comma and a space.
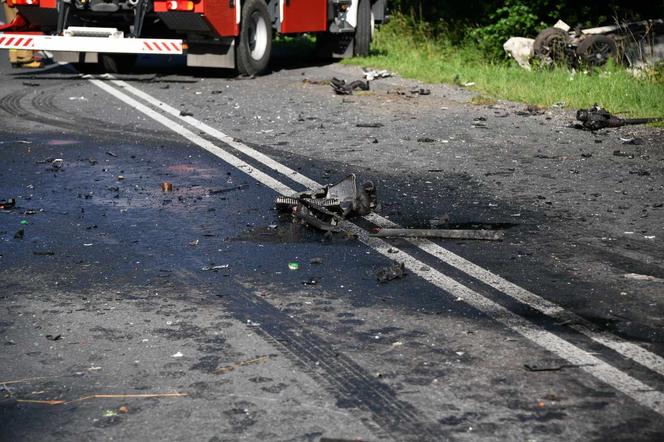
210, 33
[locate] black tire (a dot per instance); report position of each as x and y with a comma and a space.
117, 63
362, 40
596, 50
254, 44
550, 46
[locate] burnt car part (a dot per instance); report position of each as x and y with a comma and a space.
326, 207
597, 118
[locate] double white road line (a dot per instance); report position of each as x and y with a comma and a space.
644, 394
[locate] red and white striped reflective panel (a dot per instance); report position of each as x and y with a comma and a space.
161, 47
15, 42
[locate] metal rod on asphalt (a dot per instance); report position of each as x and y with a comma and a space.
486, 235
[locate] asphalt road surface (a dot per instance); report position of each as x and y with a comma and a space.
130, 313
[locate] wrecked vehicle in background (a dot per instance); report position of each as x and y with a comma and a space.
633, 44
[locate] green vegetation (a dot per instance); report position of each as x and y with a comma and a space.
414, 50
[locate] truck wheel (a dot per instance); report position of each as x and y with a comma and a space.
595, 50
117, 63
254, 45
363, 29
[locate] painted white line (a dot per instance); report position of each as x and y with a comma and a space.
241, 147
202, 142
627, 349
601, 370
637, 390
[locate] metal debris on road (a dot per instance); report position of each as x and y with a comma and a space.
215, 268
536, 368
395, 271
529, 111
486, 235
420, 91
326, 207
311, 281
227, 189
43, 253
374, 74
340, 87
413, 92
619, 153
597, 118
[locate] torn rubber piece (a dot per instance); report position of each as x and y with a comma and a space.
340, 87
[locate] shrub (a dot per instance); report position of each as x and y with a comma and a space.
515, 19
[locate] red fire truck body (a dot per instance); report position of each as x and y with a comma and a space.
212, 33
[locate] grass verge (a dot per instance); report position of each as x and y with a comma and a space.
415, 55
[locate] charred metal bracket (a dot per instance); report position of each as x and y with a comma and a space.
326, 207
